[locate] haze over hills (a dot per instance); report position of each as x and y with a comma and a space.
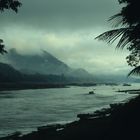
45, 64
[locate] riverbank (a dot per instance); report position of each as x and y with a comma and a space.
119, 122
39, 85
29, 85
130, 91
35, 85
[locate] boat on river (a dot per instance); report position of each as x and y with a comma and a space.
91, 92
125, 84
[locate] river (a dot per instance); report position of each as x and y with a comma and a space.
25, 110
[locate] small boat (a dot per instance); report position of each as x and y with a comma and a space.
125, 84
91, 92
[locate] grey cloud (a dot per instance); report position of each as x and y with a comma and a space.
69, 26
58, 14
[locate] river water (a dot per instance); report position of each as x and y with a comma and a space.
25, 110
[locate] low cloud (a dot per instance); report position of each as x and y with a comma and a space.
67, 30
78, 50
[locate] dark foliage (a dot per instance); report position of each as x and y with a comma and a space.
7, 5
2, 50
128, 34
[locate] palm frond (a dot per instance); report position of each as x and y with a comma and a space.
116, 20
110, 35
135, 71
113, 35
124, 40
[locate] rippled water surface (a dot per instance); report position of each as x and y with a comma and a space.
25, 110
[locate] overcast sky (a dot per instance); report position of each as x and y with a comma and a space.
66, 29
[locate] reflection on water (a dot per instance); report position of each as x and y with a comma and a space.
27, 109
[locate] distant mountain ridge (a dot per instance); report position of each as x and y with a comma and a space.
45, 63
8, 74
46, 66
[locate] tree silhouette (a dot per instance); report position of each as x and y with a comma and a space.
7, 5
127, 30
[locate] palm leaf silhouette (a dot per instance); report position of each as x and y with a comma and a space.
116, 20
127, 32
112, 35
135, 71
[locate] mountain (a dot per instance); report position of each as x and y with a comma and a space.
44, 63
9, 74
47, 68
12, 79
